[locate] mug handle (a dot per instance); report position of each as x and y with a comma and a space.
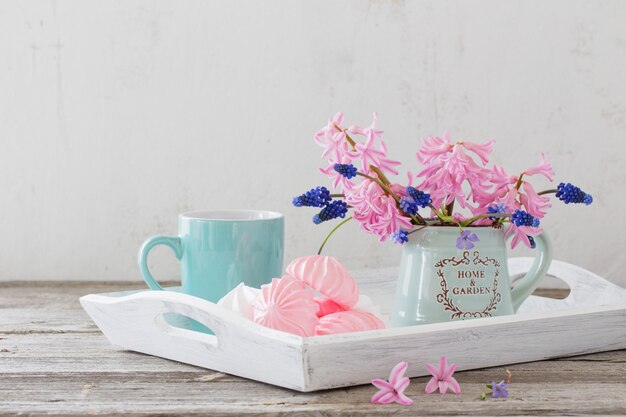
540, 266
173, 242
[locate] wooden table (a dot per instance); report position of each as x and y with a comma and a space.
54, 361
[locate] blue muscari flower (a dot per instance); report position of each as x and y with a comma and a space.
421, 198
347, 170
400, 236
315, 197
569, 193
335, 209
521, 218
408, 205
496, 209
533, 244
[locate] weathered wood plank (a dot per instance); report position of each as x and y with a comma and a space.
54, 362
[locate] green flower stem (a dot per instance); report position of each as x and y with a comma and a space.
551, 191
437, 212
482, 216
331, 232
417, 218
337, 195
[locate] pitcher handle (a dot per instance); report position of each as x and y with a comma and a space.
527, 285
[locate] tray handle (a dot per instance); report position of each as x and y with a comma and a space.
586, 288
144, 313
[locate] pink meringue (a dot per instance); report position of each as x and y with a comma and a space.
327, 276
348, 321
327, 306
286, 305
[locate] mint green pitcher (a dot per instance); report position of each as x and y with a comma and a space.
439, 282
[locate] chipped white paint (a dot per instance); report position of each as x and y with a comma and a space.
590, 319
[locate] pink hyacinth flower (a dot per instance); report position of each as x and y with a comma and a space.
383, 224
376, 212
333, 139
393, 391
447, 167
364, 131
535, 204
339, 181
286, 305
442, 378
371, 155
543, 168
371, 152
521, 233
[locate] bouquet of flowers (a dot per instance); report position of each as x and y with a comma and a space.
456, 186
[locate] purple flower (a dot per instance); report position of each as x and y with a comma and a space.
421, 198
500, 389
569, 193
315, 197
400, 236
346, 170
498, 208
408, 205
466, 240
335, 209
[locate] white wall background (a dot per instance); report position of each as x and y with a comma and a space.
117, 115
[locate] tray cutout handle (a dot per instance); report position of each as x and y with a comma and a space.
187, 328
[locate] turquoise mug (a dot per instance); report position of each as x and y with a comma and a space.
218, 249
438, 282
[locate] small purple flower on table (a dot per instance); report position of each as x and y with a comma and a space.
442, 378
393, 391
466, 240
499, 390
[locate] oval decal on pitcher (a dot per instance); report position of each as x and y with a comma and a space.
466, 281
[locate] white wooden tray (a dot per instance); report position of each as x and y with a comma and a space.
591, 319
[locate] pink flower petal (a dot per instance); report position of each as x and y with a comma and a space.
431, 386
377, 397
433, 371
397, 372
454, 385
388, 397
443, 387
382, 384
543, 168
449, 371
442, 367
402, 384
403, 399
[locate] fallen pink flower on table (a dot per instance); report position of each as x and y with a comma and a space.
442, 378
393, 391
